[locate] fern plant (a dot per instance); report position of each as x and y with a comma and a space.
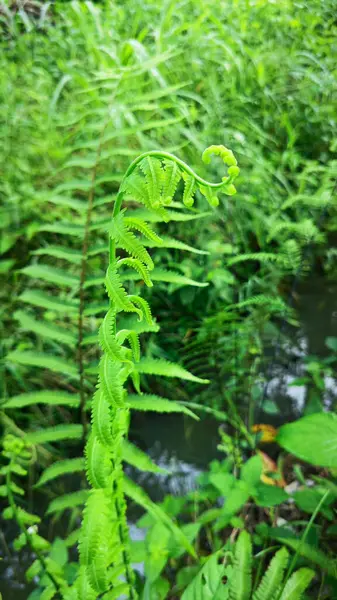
152, 180
237, 568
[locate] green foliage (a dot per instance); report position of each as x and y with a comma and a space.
86, 88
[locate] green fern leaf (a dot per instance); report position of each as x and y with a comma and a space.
44, 329
49, 302
167, 242
117, 293
189, 189
42, 397
143, 228
51, 275
83, 586
169, 277
297, 584
273, 577
67, 501
64, 228
60, 468
101, 418
152, 366
95, 523
170, 215
153, 172
210, 195
68, 254
171, 179
144, 309
240, 583
109, 376
55, 434
135, 457
128, 241
150, 402
98, 575
133, 339
98, 463
35, 359
134, 263
107, 339
263, 257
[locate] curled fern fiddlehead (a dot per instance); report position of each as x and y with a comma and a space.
151, 179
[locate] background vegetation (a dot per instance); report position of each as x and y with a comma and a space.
85, 88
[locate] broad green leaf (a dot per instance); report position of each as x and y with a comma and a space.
312, 438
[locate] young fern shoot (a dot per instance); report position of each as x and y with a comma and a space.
152, 180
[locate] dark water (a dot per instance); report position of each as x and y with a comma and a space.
185, 447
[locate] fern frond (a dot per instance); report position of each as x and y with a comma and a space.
42, 397
98, 574
62, 252
101, 418
240, 583
153, 172
305, 229
95, 525
297, 584
151, 402
60, 468
273, 577
44, 329
38, 359
64, 228
167, 242
210, 195
139, 267
133, 339
274, 304
83, 586
171, 179
126, 240
98, 463
68, 501
117, 293
143, 228
49, 302
109, 377
51, 275
135, 457
144, 308
154, 366
263, 257
189, 189
55, 434
108, 340
169, 276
